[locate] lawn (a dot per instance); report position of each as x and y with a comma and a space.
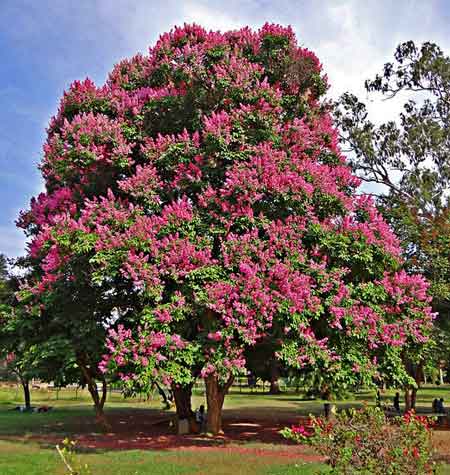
141, 430
30, 459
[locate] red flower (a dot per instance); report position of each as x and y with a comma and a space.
301, 430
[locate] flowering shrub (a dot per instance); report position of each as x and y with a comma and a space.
365, 441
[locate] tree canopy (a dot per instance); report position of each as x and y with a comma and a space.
410, 159
25, 353
202, 194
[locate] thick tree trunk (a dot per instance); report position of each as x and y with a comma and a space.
182, 396
413, 398
418, 378
274, 375
415, 370
215, 395
408, 399
99, 403
26, 393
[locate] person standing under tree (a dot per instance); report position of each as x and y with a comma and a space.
397, 402
200, 418
378, 398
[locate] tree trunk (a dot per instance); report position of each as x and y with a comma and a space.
274, 375
416, 371
165, 398
413, 398
408, 399
215, 395
99, 403
418, 377
26, 393
99, 400
182, 396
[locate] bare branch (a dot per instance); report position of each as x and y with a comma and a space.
66, 463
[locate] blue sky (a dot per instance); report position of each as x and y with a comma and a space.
45, 45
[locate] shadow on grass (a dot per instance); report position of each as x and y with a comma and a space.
150, 430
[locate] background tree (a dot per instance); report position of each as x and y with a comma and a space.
408, 164
25, 355
8, 283
70, 326
50, 361
203, 188
263, 364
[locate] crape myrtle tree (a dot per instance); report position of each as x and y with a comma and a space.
206, 179
408, 159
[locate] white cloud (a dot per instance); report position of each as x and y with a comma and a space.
352, 38
196, 13
12, 241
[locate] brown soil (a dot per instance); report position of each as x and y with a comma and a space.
152, 430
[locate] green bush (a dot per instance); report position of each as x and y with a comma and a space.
365, 441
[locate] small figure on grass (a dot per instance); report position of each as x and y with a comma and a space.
378, 398
200, 418
397, 402
251, 381
24, 408
434, 406
440, 409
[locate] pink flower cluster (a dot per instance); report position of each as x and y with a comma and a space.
81, 146
207, 179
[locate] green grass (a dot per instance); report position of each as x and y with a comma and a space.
30, 459
235, 400
73, 415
